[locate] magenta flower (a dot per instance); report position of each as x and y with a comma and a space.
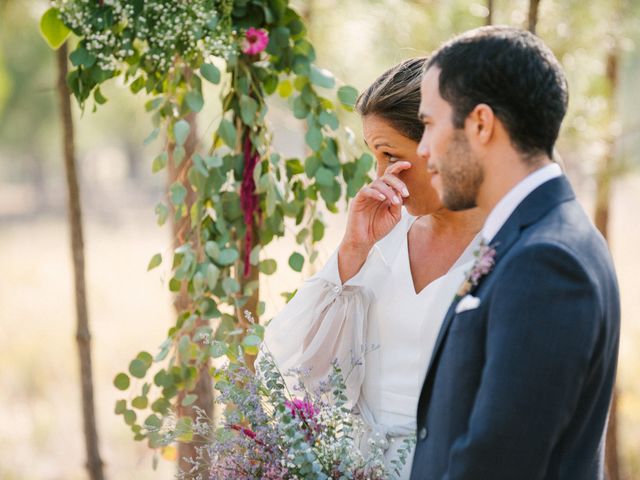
301, 408
255, 41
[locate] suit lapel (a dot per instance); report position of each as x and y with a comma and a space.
531, 209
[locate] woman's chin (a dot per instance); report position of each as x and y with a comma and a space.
414, 211
421, 210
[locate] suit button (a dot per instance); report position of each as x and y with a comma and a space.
423, 433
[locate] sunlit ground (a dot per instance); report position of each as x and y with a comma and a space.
40, 415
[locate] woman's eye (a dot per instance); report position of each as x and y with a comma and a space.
389, 157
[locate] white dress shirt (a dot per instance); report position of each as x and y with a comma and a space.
507, 204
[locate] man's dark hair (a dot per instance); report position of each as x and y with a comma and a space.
513, 72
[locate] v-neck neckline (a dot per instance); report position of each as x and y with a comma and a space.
407, 261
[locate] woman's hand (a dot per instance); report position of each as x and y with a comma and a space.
375, 210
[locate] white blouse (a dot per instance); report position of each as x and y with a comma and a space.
380, 330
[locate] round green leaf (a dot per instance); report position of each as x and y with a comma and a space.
296, 261
189, 399
228, 256
122, 381
138, 368
348, 96
324, 177
162, 213
154, 262
248, 109
140, 402
218, 349
52, 29
152, 136
178, 193
313, 138
181, 131
146, 357
212, 249
317, 230
121, 406
227, 132
300, 108
130, 417
213, 273
161, 405
285, 89
329, 119
194, 101
210, 72
321, 77
230, 285
159, 162
81, 56
153, 422
268, 267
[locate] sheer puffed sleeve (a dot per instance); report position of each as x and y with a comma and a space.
325, 320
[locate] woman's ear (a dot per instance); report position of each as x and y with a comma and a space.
480, 124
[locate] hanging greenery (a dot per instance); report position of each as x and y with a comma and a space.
243, 191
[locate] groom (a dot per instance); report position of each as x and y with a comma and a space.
520, 380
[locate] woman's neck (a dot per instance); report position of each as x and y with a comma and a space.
446, 222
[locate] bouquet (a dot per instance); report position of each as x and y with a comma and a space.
270, 432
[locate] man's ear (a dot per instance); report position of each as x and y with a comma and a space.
480, 123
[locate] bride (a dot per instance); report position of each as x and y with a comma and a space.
393, 277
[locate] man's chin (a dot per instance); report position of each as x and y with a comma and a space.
456, 202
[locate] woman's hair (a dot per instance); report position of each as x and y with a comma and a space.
395, 97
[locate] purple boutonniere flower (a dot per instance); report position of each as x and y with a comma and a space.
485, 260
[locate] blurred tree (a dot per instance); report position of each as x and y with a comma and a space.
182, 232
534, 6
83, 335
604, 178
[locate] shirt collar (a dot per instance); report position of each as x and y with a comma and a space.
507, 204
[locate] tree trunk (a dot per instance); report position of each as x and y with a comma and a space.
534, 6
489, 12
83, 335
601, 219
182, 232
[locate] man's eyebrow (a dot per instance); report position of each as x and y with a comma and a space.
383, 144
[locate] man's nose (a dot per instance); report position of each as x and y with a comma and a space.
423, 149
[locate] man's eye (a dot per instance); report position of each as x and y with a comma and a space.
389, 157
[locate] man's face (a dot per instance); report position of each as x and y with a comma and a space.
456, 172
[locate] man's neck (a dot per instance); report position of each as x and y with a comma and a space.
500, 176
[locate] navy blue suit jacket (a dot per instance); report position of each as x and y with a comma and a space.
519, 388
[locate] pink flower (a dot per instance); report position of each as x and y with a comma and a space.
305, 410
485, 260
246, 431
255, 41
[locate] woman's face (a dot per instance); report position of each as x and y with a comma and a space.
388, 145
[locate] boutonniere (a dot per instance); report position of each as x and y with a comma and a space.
485, 260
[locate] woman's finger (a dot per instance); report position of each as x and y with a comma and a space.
395, 183
387, 191
396, 167
372, 193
